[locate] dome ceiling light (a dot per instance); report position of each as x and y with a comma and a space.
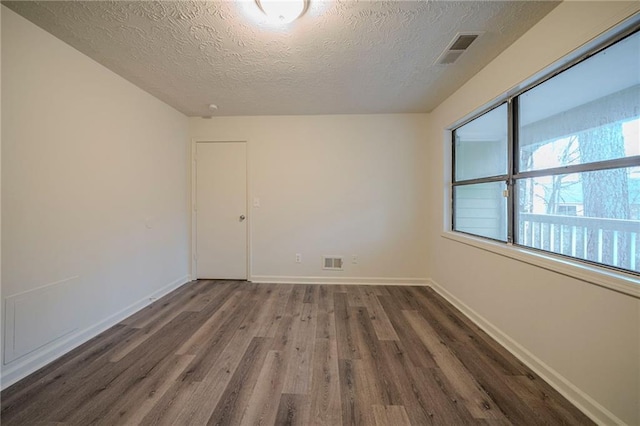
283, 11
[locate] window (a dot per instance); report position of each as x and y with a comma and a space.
556, 166
480, 157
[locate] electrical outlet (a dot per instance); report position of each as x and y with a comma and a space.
298, 258
354, 259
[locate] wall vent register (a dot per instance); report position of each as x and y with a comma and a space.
333, 263
456, 48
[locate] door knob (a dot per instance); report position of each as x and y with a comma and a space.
242, 217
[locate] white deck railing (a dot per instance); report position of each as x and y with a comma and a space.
614, 242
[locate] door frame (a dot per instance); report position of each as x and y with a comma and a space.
194, 201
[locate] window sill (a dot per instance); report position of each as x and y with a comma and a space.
617, 281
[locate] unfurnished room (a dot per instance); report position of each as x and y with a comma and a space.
320, 212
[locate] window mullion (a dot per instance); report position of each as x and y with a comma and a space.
618, 163
512, 165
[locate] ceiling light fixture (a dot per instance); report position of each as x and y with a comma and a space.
283, 11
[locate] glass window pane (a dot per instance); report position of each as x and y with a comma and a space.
481, 146
588, 113
592, 215
481, 209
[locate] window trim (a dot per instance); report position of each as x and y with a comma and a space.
617, 279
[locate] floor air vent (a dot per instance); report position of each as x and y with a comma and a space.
458, 45
333, 263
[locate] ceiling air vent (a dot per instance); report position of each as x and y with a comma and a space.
458, 45
333, 263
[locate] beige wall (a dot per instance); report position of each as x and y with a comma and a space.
333, 185
94, 197
588, 336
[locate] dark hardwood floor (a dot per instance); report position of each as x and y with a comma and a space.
228, 352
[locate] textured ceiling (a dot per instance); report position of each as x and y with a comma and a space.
340, 57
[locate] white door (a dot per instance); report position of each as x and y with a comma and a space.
221, 208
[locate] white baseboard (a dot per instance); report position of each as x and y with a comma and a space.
274, 279
580, 399
14, 372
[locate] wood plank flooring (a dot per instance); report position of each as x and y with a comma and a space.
237, 353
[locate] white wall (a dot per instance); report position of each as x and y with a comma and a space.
587, 338
94, 197
333, 185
